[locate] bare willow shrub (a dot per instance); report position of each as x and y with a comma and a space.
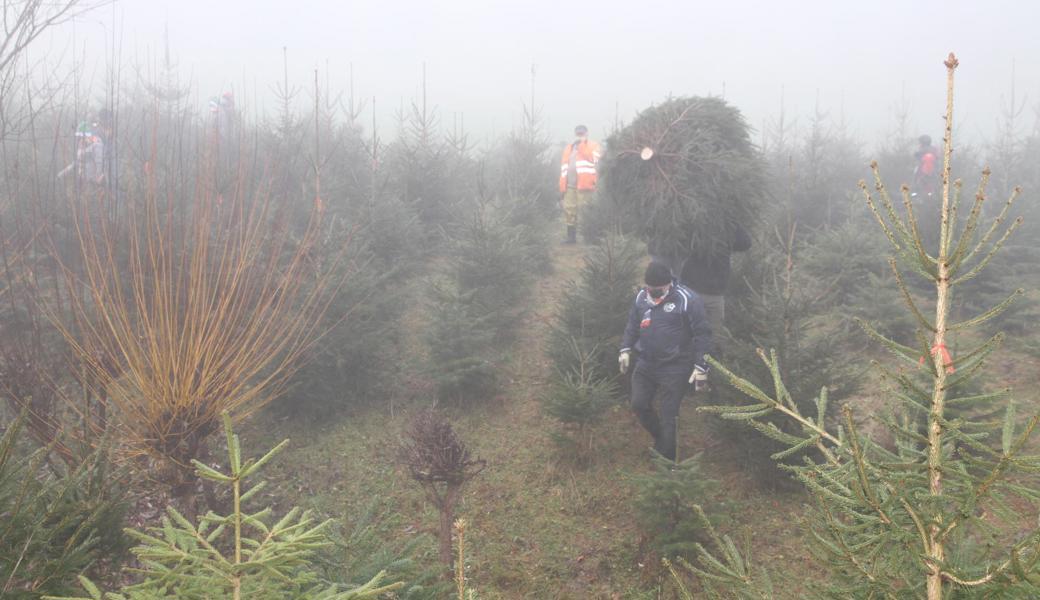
206, 303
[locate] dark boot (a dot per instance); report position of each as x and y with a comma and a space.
572, 235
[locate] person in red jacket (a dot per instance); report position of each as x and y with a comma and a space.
577, 178
927, 170
923, 191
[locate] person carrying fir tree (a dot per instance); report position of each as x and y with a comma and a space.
669, 332
577, 178
707, 273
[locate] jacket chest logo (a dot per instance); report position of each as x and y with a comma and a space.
645, 323
669, 307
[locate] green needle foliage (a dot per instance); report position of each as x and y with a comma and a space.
685, 171
361, 547
361, 552
726, 574
938, 513
594, 308
55, 521
461, 340
667, 507
782, 307
488, 260
583, 343
238, 555
478, 301
578, 399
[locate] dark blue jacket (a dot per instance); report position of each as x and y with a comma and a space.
671, 334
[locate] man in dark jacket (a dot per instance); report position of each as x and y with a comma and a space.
669, 332
708, 275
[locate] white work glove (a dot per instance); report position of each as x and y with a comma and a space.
699, 379
623, 360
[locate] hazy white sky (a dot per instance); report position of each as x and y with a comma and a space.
597, 59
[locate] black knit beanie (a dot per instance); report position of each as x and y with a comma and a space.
658, 274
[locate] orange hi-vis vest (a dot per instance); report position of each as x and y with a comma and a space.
584, 164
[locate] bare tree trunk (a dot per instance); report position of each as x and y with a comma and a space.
447, 522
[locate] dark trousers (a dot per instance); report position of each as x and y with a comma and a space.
666, 389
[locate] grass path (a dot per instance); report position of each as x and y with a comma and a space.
542, 527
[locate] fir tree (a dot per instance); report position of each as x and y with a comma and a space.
844, 260
932, 517
685, 172
362, 551
429, 170
527, 176
527, 168
779, 305
666, 506
352, 362
239, 555
462, 589
594, 309
461, 346
577, 399
488, 260
57, 520
479, 304
583, 344
727, 574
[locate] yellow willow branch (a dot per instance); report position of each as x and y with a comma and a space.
205, 308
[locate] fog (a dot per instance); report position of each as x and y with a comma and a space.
546, 340
593, 63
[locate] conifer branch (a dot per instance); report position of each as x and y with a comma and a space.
958, 255
751, 390
1011, 564
910, 355
979, 398
989, 314
865, 486
842, 547
996, 223
986, 347
915, 233
989, 255
877, 214
918, 523
905, 236
999, 470
908, 299
954, 205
